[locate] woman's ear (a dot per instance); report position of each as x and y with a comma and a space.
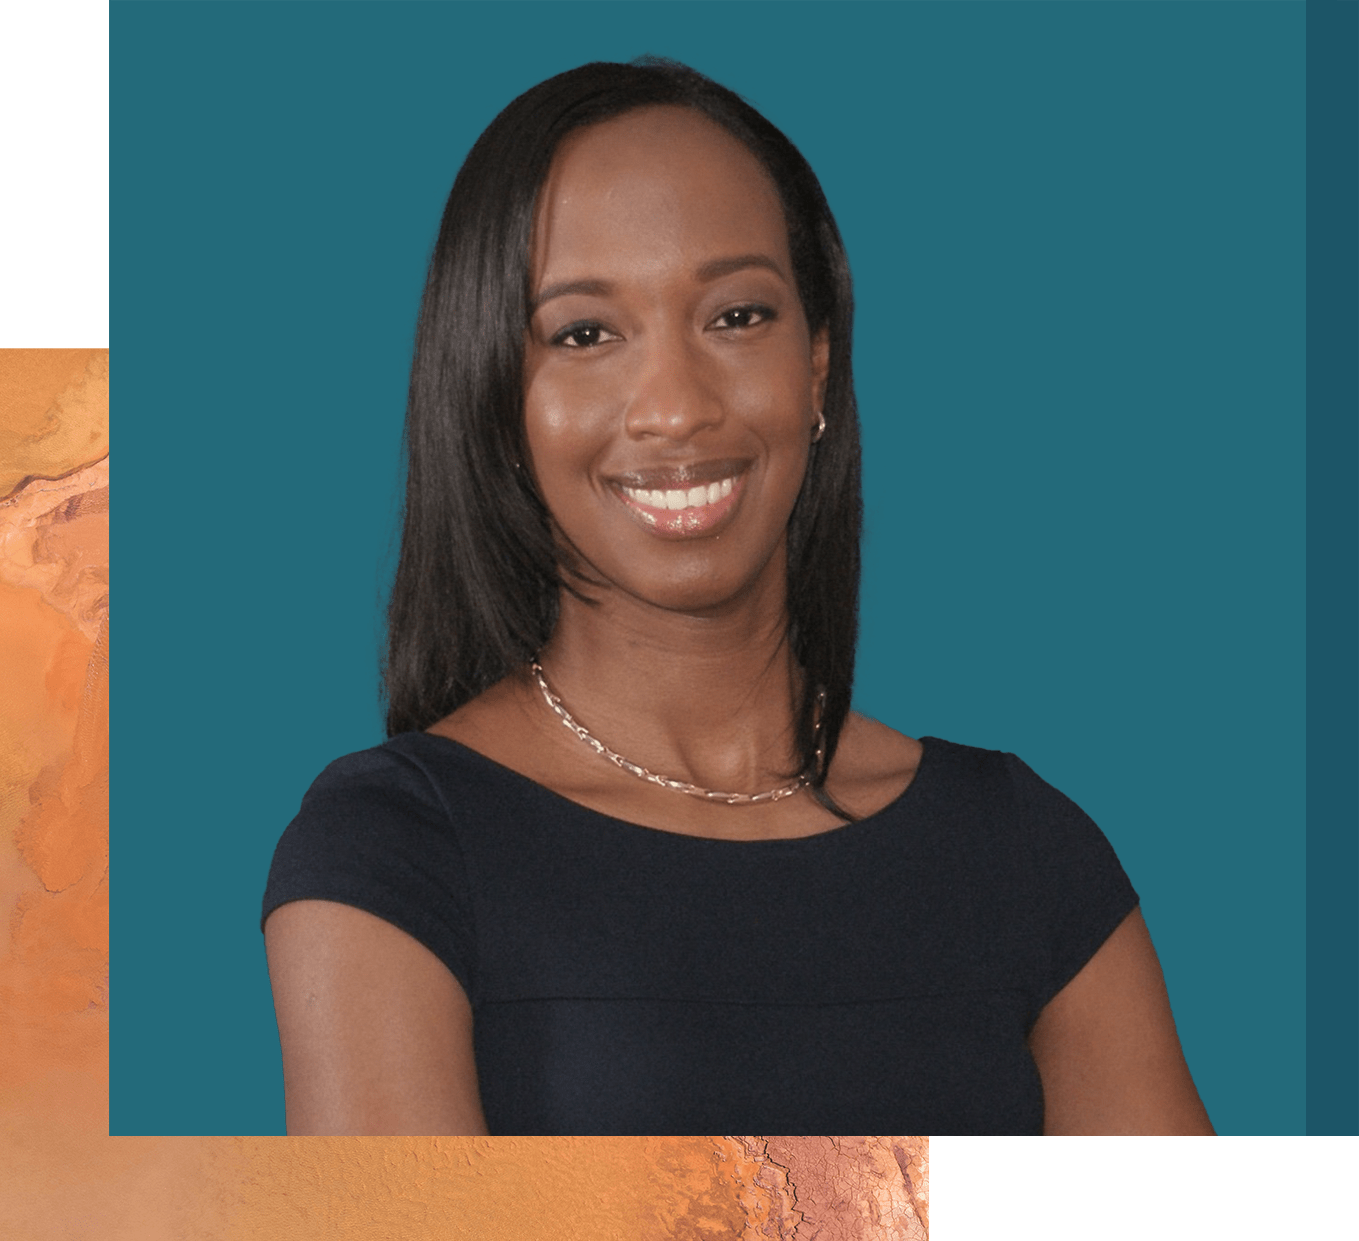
820, 366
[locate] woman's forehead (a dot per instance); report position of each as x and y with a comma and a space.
656, 187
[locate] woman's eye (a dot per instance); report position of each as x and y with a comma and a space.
744, 316
582, 336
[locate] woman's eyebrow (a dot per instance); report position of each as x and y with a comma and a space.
714, 269
591, 288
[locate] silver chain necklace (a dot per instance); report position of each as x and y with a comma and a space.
666, 782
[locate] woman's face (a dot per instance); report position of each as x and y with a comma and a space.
671, 385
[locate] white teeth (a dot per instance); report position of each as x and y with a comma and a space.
695, 497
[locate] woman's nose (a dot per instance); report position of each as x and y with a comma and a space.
674, 393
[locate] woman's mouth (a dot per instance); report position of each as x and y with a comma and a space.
683, 512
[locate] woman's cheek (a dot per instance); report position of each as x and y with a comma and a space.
780, 387
778, 408
576, 402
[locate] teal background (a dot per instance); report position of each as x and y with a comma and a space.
1077, 238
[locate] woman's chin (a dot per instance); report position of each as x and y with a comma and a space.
712, 591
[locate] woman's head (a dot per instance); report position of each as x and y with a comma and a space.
671, 382
479, 575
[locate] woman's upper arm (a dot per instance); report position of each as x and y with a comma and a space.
376, 1032
1107, 1050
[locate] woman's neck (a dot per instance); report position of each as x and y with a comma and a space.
707, 699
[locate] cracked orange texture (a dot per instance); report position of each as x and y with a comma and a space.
53, 772
54, 413
480, 1189
63, 1179
856, 1188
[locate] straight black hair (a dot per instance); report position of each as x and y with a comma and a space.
478, 578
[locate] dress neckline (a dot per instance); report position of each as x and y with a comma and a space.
928, 747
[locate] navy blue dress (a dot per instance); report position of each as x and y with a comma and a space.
881, 977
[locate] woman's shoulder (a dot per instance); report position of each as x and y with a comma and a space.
415, 785
422, 763
497, 725
401, 765
873, 765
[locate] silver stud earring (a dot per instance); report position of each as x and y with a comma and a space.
820, 426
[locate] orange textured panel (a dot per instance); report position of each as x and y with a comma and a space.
63, 1179
54, 413
483, 1189
54, 645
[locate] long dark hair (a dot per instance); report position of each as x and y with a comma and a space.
478, 580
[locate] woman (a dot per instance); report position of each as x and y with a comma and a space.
627, 862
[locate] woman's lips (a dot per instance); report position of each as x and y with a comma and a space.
683, 512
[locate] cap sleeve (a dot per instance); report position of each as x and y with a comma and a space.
1080, 890
373, 832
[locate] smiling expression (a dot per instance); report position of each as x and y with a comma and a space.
671, 383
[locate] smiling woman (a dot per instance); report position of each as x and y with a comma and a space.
633, 509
